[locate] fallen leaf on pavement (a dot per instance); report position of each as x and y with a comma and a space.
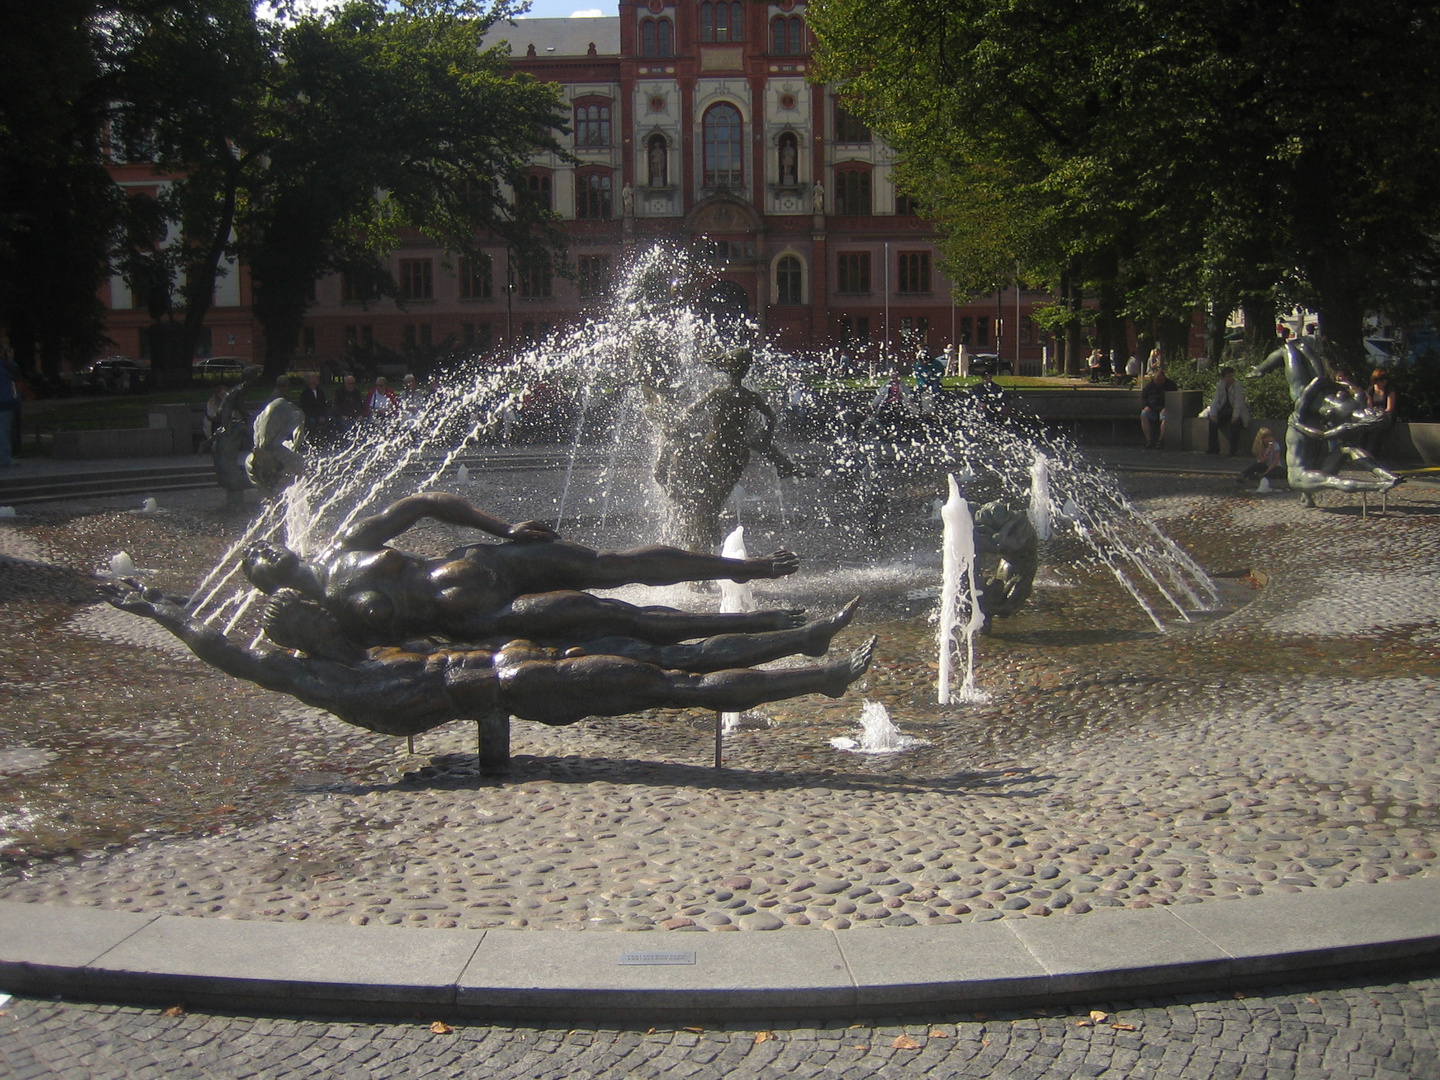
175, 1010
439, 1027
1098, 1017
763, 1036
905, 1042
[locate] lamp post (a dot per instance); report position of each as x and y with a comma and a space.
510, 303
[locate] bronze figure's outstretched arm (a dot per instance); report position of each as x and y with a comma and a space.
375, 531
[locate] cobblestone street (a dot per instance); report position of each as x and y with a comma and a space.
1333, 1031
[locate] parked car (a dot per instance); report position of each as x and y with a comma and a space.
114, 375
224, 368
1383, 351
989, 363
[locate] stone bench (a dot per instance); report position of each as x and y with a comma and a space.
113, 443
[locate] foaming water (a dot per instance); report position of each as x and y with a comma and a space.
878, 734
656, 334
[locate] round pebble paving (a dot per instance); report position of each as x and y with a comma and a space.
1288, 742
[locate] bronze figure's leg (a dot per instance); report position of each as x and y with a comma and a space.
572, 616
570, 690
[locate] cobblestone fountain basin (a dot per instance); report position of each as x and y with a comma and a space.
1284, 743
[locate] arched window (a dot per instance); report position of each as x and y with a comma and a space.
848, 128
657, 161
721, 21
788, 151
789, 279
537, 190
852, 192
724, 146
657, 38
592, 125
787, 35
592, 196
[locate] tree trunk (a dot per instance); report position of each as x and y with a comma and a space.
1259, 315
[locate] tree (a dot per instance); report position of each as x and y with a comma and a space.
1159, 151
58, 209
405, 102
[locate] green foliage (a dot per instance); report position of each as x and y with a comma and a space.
1160, 151
1417, 387
1268, 395
403, 100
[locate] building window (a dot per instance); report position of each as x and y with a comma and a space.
721, 21
352, 291
905, 206
915, 331
855, 332
307, 339
594, 276
975, 331
852, 192
592, 196
592, 126
422, 339
657, 38
657, 161
849, 129
724, 145
477, 338
537, 190
914, 272
416, 279
788, 281
787, 36
475, 283
534, 282
788, 153
852, 272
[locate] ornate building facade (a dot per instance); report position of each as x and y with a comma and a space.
694, 123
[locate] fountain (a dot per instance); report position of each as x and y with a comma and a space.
330, 801
878, 734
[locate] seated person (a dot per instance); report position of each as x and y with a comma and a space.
1269, 460
1228, 411
1152, 408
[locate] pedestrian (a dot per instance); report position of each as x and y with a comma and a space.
349, 407
1228, 411
1268, 457
9, 407
212, 410
381, 402
314, 405
1380, 396
1152, 408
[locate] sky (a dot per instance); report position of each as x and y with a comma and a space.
539, 9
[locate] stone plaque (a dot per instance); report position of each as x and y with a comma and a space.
656, 958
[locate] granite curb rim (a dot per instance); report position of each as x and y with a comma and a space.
302, 969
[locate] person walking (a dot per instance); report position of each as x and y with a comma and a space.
1228, 410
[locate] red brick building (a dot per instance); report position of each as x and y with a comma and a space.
694, 123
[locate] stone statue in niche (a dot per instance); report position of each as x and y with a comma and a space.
656, 156
818, 197
789, 156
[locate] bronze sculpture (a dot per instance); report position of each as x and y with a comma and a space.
404, 691
530, 586
1326, 410
705, 448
